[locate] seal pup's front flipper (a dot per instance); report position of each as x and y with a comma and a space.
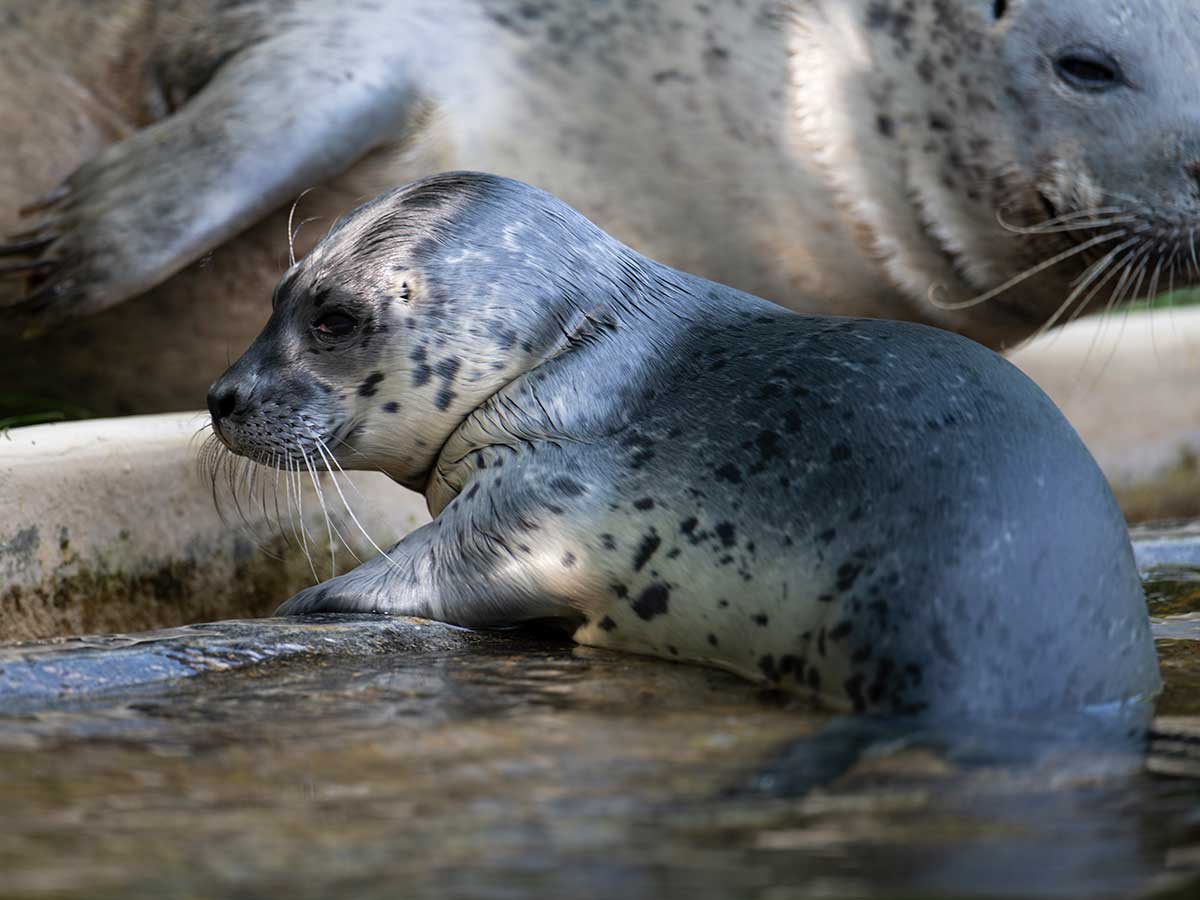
469, 567
280, 115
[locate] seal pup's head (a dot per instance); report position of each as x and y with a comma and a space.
413, 310
1029, 160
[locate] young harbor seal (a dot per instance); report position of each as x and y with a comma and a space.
983, 166
884, 514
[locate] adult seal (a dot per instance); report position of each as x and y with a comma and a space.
988, 167
885, 514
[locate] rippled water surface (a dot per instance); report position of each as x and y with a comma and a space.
424, 762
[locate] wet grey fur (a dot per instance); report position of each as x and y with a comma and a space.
884, 514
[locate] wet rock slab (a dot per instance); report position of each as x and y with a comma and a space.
375, 757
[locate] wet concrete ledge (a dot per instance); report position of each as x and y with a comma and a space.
32, 674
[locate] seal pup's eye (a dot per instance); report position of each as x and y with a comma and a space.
334, 324
1088, 69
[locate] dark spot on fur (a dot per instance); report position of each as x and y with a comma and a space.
568, 560
712, 640
568, 487
607, 624
391, 407
839, 453
448, 368
607, 542
371, 385
841, 630
854, 690
649, 545
644, 503
652, 602
847, 574
760, 620
827, 536
730, 473
727, 534
770, 391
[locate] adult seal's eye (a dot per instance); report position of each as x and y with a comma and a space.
334, 324
1088, 69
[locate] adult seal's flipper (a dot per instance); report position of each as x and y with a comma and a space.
279, 116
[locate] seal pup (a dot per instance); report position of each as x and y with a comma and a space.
886, 515
905, 159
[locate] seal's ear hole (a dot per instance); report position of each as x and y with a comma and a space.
999, 8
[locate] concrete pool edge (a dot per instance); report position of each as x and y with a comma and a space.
110, 525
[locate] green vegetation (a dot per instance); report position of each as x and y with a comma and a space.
1190, 297
17, 410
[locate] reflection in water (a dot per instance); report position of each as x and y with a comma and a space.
508, 767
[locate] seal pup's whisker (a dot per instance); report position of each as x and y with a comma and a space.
1195, 270
279, 522
952, 306
332, 522
296, 510
291, 233
326, 455
312, 474
214, 458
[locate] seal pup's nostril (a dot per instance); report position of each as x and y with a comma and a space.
222, 402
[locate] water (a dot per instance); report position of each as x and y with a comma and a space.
387, 759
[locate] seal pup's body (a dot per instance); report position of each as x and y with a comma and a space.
837, 156
886, 515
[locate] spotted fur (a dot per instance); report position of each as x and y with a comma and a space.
884, 515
